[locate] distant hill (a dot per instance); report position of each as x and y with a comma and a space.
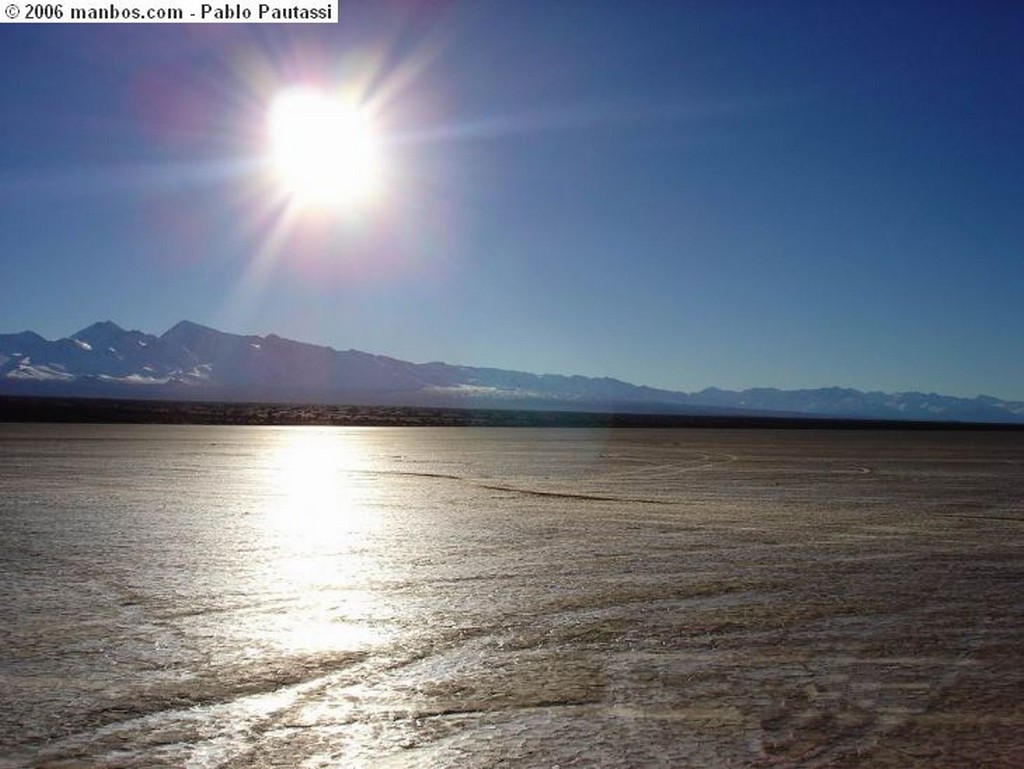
194, 362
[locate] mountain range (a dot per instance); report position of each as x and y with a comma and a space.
194, 362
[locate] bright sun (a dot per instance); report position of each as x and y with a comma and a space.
324, 151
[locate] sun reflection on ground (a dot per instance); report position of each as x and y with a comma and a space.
319, 488
321, 523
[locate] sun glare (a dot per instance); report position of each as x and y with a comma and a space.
319, 525
324, 151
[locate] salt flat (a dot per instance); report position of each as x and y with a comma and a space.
471, 597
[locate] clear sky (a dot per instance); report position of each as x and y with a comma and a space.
679, 194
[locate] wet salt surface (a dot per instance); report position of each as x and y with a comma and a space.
403, 597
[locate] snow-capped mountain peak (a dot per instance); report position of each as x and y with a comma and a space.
194, 361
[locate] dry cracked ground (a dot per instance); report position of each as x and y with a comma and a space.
640, 598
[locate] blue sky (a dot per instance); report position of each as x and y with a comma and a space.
678, 194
